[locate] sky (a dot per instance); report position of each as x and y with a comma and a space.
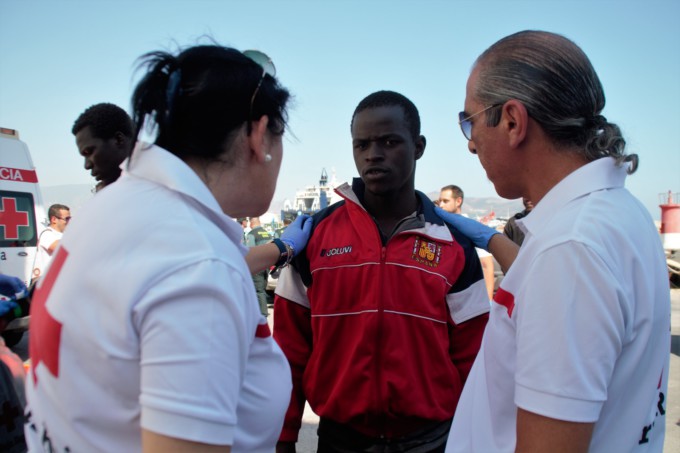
60, 57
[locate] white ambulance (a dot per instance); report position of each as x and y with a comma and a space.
22, 218
22, 214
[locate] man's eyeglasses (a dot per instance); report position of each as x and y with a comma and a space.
65, 219
466, 124
267, 66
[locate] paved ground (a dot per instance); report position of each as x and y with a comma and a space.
672, 443
307, 439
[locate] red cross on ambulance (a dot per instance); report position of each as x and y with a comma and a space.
11, 218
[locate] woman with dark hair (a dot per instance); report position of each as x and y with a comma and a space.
152, 340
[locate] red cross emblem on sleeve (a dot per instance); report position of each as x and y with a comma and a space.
45, 331
11, 219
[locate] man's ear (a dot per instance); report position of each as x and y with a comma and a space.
515, 119
257, 140
420, 146
120, 139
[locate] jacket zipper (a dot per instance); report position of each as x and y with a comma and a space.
382, 404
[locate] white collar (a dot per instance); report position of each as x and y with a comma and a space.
157, 165
599, 174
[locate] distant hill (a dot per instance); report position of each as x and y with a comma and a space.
481, 206
75, 195
71, 195
473, 206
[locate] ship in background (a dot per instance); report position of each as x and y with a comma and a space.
312, 198
307, 201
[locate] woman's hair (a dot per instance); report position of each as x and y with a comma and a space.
559, 87
198, 98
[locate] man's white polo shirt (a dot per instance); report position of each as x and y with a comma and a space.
580, 328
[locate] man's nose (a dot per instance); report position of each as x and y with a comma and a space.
88, 164
375, 152
472, 147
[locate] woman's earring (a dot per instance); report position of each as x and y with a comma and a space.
267, 157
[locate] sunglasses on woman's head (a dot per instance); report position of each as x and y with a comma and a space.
267, 65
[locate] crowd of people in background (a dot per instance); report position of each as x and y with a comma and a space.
387, 319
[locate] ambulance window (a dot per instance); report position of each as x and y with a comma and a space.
17, 219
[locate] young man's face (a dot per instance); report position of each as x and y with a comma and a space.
102, 157
385, 153
448, 202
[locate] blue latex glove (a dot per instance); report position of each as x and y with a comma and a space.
297, 233
6, 306
12, 287
477, 232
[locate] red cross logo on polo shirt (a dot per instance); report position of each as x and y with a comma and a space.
505, 299
45, 331
11, 219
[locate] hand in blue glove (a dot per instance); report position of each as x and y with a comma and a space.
297, 233
6, 306
12, 287
477, 232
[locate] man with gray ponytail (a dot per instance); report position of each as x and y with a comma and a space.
576, 353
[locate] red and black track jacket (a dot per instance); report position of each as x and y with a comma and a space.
380, 336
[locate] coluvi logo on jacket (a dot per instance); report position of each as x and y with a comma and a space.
336, 251
426, 252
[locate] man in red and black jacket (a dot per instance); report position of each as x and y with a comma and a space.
382, 315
